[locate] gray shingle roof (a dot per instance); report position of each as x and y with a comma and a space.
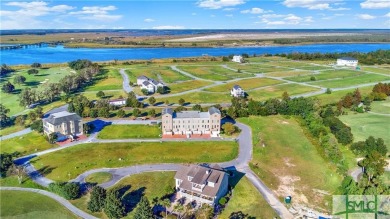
59, 118
167, 111
143, 77
213, 110
236, 87
145, 83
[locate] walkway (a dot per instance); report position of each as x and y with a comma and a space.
57, 198
126, 82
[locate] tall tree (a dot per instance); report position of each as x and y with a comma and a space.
8, 87
36, 65
32, 71
113, 207
19, 79
143, 210
152, 100
97, 200
27, 97
4, 119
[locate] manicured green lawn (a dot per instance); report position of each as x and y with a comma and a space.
129, 131
198, 97
112, 80
187, 85
21, 204
10, 129
362, 79
364, 125
216, 73
246, 84
100, 177
153, 71
247, 199
91, 95
26, 144
376, 69
81, 158
335, 96
283, 74
289, 163
12, 181
254, 68
324, 75
381, 107
277, 91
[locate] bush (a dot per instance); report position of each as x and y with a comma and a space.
37, 126
222, 201
312, 78
69, 191
32, 71
97, 200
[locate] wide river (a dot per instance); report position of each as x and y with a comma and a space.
60, 54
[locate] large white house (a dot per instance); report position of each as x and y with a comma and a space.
64, 124
191, 122
347, 61
237, 91
238, 59
202, 184
149, 84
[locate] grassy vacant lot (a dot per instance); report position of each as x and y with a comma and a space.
283, 74
364, 125
111, 80
187, 85
129, 131
254, 68
335, 96
153, 71
376, 69
246, 84
51, 75
26, 144
12, 181
100, 177
20, 204
324, 75
362, 79
216, 73
381, 107
92, 156
277, 91
248, 200
112, 94
289, 163
153, 184
198, 97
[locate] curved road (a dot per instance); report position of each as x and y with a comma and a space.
57, 198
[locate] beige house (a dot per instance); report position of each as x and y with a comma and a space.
191, 122
203, 184
63, 123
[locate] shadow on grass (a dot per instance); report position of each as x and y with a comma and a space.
234, 177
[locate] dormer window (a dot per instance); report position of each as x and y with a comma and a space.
189, 178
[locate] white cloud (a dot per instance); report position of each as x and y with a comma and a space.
229, 9
366, 16
387, 15
149, 20
98, 13
217, 4
167, 27
284, 19
375, 4
314, 4
229, 15
255, 11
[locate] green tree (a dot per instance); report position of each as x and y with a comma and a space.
166, 203
104, 112
143, 210
229, 128
5, 163
182, 101
100, 94
145, 91
37, 126
88, 128
32, 115
152, 113
5, 69
97, 199
93, 113
121, 113
197, 107
32, 71
19, 79
8, 87
136, 112
328, 91
20, 121
52, 138
36, 65
4, 119
152, 100
285, 96
113, 206
204, 212
27, 97
39, 112
161, 90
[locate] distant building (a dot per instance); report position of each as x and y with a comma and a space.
237, 91
347, 61
117, 102
63, 123
149, 84
238, 59
205, 185
191, 122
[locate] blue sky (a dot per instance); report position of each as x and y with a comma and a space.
200, 14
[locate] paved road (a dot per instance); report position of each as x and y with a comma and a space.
57, 198
126, 81
16, 134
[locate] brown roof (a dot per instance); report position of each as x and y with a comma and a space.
201, 175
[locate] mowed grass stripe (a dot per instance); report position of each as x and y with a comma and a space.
324, 75
129, 131
246, 84
277, 91
362, 79
84, 157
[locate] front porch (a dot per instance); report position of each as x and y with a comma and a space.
193, 196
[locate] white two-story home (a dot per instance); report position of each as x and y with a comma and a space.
203, 184
347, 61
149, 84
237, 91
238, 59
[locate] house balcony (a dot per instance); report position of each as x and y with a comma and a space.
196, 196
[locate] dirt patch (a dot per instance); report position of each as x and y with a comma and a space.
287, 188
287, 161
